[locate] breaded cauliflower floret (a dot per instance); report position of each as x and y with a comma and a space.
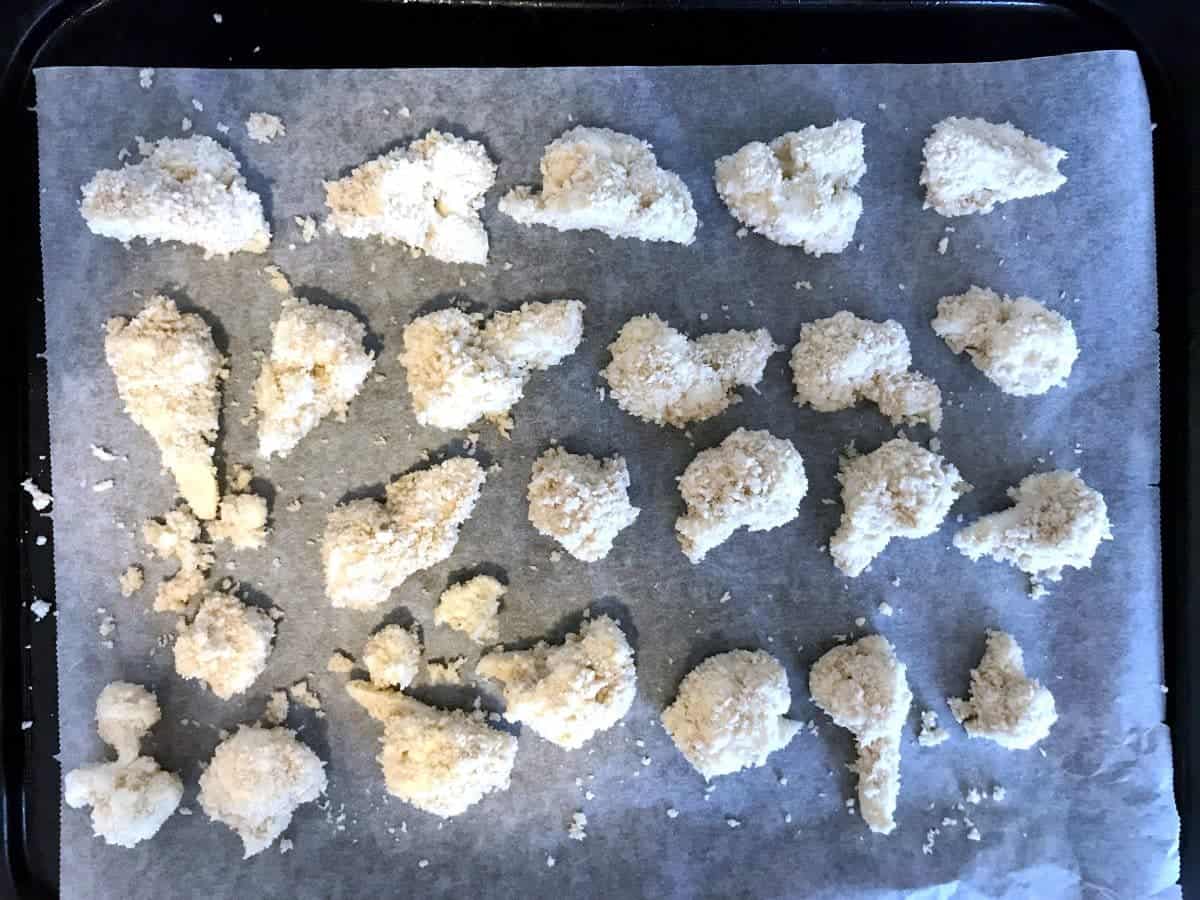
728, 714
863, 688
316, 367
132, 797
369, 547
189, 190
256, 780
1006, 706
1056, 522
427, 195
460, 370
660, 376
440, 761
392, 656
842, 360
971, 165
1020, 345
599, 179
751, 480
226, 644
799, 189
580, 501
571, 691
167, 369
899, 490
471, 607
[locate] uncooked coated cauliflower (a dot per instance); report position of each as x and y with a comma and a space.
178, 535
1057, 521
660, 376
471, 607
167, 369
392, 656
899, 490
226, 644
751, 480
596, 178
369, 547
580, 501
189, 190
256, 780
844, 359
316, 367
1020, 345
571, 691
971, 165
729, 712
440, 761
132, 797
799, 189
863, 688
1006, 706
461, 369
427, 196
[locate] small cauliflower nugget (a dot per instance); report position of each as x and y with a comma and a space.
844, 359
427, 196
602, 180
472, 607
571, 691
168, 369
660, 375
799, 189
863, 688
226, 644
899, 490
189, 190
1006, 706
971, 165
1021, 346
1056, 522
729, 712
751, 480
392, 656
580, 501
461, 368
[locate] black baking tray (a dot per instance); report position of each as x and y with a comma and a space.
520, 33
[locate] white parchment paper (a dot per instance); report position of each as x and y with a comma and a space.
1089, 813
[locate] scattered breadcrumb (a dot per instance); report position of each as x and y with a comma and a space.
276, 711
308, 228
447, 671
39, 608
264, 127
672, 813
131, 580
146, 77
931, 734
974, 835
39, 498
998, 794
575, 831
104, 455
304, 695
943, 245
101, 487
197, 105
339, 662
885, 609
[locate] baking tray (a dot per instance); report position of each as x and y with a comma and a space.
384, 34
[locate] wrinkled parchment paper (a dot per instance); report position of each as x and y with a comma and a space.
1088, 813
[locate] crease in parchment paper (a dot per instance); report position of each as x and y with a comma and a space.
1088, 813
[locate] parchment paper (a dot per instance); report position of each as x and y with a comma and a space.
1089, 813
